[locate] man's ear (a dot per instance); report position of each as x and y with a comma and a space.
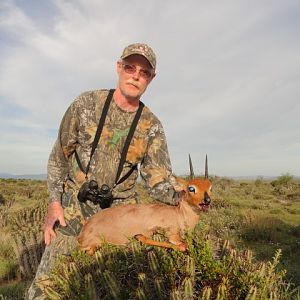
153, 75
119, 66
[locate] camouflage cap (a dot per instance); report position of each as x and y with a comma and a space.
140, 49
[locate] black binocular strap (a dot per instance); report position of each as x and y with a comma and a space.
98, 133
126, 144
100, 127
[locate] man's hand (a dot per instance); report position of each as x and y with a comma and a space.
55, 213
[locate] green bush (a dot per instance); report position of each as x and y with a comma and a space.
283, 180
139, 272
8, 269
259, 181
13, 291
25, 226
8, 263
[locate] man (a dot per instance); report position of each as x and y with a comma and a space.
72, 167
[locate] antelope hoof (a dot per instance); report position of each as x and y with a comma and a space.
181, 247
89, 249
140, 238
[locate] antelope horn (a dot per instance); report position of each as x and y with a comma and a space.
206, 168
192, 175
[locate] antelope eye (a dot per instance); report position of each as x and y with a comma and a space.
191, 189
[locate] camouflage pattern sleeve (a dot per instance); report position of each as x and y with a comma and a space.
58, 163
156, 167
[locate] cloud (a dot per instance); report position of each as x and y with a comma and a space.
227, 81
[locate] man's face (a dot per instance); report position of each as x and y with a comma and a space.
134, 76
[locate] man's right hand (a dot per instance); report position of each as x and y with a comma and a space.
55, 213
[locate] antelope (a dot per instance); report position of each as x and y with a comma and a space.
116, 224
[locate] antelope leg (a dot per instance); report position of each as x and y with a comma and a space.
143, 239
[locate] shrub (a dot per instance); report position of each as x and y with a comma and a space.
26, 231
222, 223
8, 263
222, 183
13, 291
283, 180
2, 199
8, 269
259, 181
4, 212
139, 272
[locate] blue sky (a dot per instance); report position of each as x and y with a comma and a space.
228, 77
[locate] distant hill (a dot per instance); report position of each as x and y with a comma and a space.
254, 177
259, 176
24, 176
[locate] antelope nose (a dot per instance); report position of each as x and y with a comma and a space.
206, 199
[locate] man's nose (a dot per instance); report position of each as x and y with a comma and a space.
136, 75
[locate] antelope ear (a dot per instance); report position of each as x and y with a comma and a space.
178, 183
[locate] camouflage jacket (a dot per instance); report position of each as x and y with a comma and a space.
148, 148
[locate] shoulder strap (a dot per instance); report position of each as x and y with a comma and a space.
100, 126
98, 133
126, 145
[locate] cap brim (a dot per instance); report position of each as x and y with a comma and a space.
138, 53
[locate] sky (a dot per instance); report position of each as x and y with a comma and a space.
227, 84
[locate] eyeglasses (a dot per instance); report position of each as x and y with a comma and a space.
131, 69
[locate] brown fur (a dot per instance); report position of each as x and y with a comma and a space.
115, 225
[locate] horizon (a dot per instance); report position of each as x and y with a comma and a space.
43, 176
